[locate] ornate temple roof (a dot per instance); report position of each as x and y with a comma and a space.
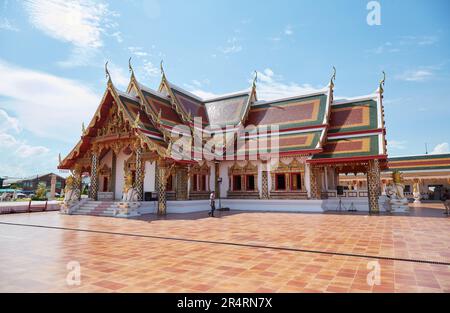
420, 162
312, 124
355, 130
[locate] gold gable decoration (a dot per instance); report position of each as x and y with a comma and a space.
294, 166
248, 168
202, 169
115, 124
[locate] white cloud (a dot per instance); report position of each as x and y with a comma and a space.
202, 93
119, 76
150, 69
19, 148
79, 22
80, 56
26, 151
232, 46
405, 42
18, 159
6, 140
118, 36
418, 75
138, 51
441, 148
7, 25
271, 86
47, 105
397, 144
385, 47
288, 31
8, 122
418, 40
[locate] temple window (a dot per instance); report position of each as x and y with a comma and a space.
105, 184
237, 182
280, 182
195, 182
243, 177
296, 181
250, 182
288, 177
202, 182
200, 177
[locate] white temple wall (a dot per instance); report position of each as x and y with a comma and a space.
107, 159
121, 157
149, 177
307, 179
212, 176
261, 167
223, 170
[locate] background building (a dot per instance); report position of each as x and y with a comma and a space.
28, 185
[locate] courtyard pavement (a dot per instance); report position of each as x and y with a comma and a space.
234, 252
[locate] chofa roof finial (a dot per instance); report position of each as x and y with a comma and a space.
106, 71
333, 77
255, 79
130, 68
162, 68
381, 88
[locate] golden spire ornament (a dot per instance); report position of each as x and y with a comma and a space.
382, 81
107, 71
130, 68
333, 77
255, 79
162, 68
137, 120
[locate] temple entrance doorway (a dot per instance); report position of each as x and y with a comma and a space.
105, 184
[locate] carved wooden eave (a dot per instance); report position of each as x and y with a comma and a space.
185, 117
201, 169
154, 116
294, 166
248, 168
92, 139
252, 98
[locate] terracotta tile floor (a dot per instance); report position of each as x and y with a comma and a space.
236, 252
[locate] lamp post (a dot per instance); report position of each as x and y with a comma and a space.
219, 180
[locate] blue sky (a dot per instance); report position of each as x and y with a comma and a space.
52, 55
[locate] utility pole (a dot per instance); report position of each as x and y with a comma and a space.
426, 148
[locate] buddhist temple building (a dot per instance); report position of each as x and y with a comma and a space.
431, 173
176, 148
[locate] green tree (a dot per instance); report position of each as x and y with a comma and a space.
41, 191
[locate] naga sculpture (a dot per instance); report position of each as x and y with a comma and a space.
397, 199
129, 205
71, 195
129, 193
416, 191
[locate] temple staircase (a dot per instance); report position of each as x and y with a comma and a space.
97, 208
